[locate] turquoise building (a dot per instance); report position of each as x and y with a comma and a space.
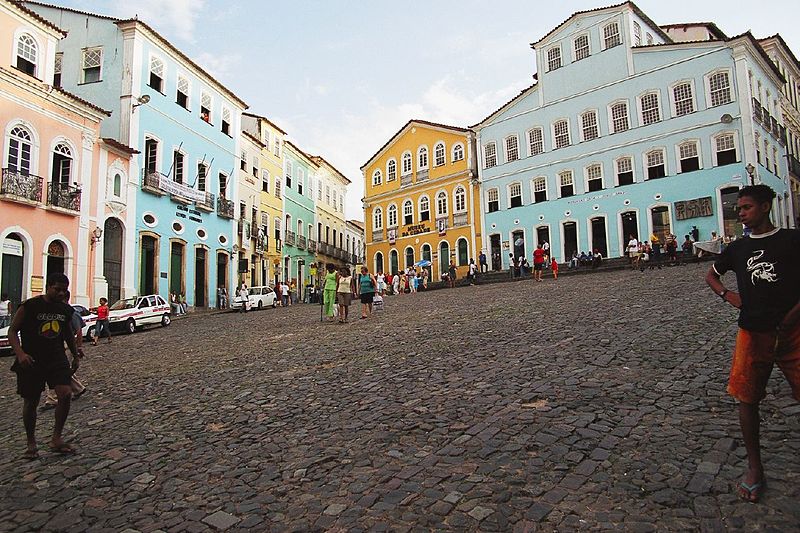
299, 215
630, 129
183, 126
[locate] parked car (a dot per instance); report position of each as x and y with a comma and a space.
87, 330
5, 346
131, 313
259, 297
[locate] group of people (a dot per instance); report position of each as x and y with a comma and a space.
341, 287
177, 303
593, 259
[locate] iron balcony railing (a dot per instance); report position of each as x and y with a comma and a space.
289, 238
794, 165
206, 203
757, 110
151, 181
406, 181
254, 230
225, 207
377, 235
460, 219
312, 245
64, 196
324, 248
422, 175
20, 185
301, 242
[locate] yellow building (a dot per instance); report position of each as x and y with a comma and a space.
271, 197
422, 201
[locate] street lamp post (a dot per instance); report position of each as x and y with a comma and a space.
751, 171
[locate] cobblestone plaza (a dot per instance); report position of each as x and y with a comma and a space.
595, 402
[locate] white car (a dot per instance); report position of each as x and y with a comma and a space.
5, 346
88, 329
131, 313
259, 297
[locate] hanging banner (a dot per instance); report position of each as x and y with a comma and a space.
179, 189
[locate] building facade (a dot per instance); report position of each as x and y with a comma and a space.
422, 201
299, 216
53, 165
354, 243
250, 235
184, 124
329, 189
789, 104
271, 199
627, 132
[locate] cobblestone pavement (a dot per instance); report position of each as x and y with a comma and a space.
594, 402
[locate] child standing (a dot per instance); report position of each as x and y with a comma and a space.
102, 326
554, 268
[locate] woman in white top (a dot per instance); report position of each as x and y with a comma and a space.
381, 281
344, 292
5, 311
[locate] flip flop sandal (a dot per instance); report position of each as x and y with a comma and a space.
30, 455
752, 493
64, 449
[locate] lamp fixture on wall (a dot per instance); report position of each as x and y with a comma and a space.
145, 98
751, 170
95, 237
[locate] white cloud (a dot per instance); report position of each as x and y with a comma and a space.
175, 17
221, 67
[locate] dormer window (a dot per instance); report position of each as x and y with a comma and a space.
226, 121
91, 65
611, 36
553, 58
581, 45
205, 107
182, 96
27, 52
57, 69
156, 74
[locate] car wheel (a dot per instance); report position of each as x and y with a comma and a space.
130, 326
274, 303
90, 333
165, 320
260, 305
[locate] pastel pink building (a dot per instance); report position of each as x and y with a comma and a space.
60, 183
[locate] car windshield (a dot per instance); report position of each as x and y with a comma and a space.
127, 303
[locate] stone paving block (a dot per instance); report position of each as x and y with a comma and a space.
221, 520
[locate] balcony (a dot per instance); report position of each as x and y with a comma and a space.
377, 235
243, 228
757, 110
422, 175
20, 187
289, 240
64, 196
160, 184
207, 204
224, 207
301, 242
794, 165
460, 219
441, 224
261, 244
406, 181
776, 131
254, 230
324, 248
312, 246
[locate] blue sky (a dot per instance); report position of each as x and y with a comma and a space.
342, 76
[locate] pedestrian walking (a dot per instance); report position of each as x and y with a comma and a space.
76, 387
366, 291
37, 335
396, 283
538, 262
546, 248
102, 327
285, 295
451, 274
768, 299
329, 291
5, 310
554, 268
473, 271
344, 292
512, 265
244, 294
482, 262
381, 281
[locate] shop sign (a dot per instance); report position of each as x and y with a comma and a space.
415, 230
37, 283
699, 207
12, 247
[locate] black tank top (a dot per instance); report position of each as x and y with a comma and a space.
44, 328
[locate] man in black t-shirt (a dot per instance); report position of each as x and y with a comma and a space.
44, 324
767, 268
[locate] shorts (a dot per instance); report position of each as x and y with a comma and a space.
31, 381
343, 298
753, 358
367, 297
538, 266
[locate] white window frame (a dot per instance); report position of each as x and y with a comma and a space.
560, 183
457, 148
509, 193
37, 52
265, 178
391, 176
531, 142
575, 48
735, 146
640, 107
583, 129
32, 141
486, 146
377, 177
586, 179
535, 189
674, 102
637, 34
163, 75
408, 203
489, 193
646, 163
204, 95
731, 92
423, 151
377, 218
407, 157
226, 111
420, 209
554, 58
442, 195
606, 36
511, 151
182, 77
617, 172
555, 137
84, 53
612, 126
391, 210
459, 193
436, 149
698, 147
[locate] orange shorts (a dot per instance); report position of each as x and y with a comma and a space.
753, 358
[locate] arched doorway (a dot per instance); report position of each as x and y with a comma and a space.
462, 248
148, 269
409, 257
495, 246
112, 258
378, 262
599, 238
394, 262
570, 230
200, 277
177, 267
518, 240
444, 258
222, 274
426, 256
630, 227
56, 258
12, 276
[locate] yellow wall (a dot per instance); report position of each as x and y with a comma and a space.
271, 204
447, 178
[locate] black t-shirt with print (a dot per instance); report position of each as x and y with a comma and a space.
44, 329
767, 271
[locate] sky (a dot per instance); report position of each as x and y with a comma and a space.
342, 76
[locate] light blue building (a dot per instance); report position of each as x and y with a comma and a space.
630, 129
299, 216
184, 125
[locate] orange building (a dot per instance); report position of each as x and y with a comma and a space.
422, 201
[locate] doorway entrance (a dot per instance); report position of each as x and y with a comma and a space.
570, 239
148, 268
731, 226
630, 226
222, 274
518, 238
112, 258
200, 277
495, 246
543, 235
426, 256
176, 264
13, 264
599, 237
56, 258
